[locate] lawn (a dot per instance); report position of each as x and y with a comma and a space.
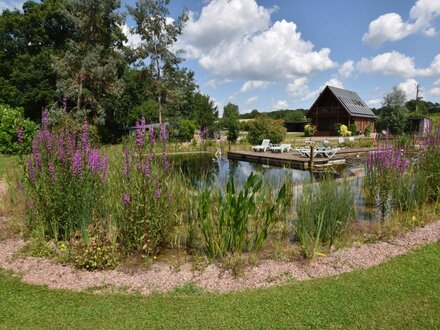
403, 293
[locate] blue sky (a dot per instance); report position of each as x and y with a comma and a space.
271, 54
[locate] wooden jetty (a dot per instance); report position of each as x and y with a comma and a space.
292, 159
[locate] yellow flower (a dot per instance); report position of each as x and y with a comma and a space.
413, 218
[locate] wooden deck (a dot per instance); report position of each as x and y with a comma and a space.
292, 159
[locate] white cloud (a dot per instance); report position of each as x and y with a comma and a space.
11, 4
374, 103
133, 39
390, 63
436, 89
346, 69
409, 86
251, 100
235, 38
280, 105
392, 27
213, 83
253, 84
397, 64
299, 88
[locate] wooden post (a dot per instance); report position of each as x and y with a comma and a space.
312, 151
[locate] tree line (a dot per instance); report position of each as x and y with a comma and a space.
71, 58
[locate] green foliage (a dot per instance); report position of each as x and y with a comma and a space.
336, 128
99, 252
367, 131
319, 219
230, 121
287, 116
412, 191
429, 166
353, 129
158, 37
236, 221
264, 127
184, 130
205, 112
11, 121
394, 113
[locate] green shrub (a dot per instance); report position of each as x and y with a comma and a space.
353, 129
264, 127
429, 166
309, 130
234, 222
336, 128
15, 132
184, 131
319, 219
367, 131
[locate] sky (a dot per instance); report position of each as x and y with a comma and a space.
278, 54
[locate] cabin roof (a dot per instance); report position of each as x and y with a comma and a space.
350, 101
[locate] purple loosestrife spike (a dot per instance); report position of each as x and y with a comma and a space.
20, 135
77, 164
152, 137
104, 167
85, 137
126, 199
31, 172
139, 135
126, 169
60, 150
166, 163
158, 193
147, 169
51, 172
93, 160
163, 133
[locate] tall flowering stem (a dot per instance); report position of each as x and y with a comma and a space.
146, 213
64, 179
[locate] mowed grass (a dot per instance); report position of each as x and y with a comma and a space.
403, 293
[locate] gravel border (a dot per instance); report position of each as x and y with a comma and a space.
162, 277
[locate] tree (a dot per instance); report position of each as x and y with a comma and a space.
394, 113
412, 106
91, 69
230, 121
204, 112
28, 39
264, 127
158, 35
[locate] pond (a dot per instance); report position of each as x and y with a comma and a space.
207, 170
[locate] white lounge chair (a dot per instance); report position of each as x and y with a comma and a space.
280, 147
263, 147
351, 139
330, 153
341, 140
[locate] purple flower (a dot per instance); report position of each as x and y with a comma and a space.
158, 193
126, 169
51, 172
147, 169
126, 199
163, 133
104, 167
77, 164
166, 163
93, 160
20, 135
60, 151
31, 172
143, 126
151, 131
139, 135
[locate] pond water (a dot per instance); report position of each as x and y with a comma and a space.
207, 170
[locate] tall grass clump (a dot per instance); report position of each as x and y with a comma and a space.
429, 162
147, 194
63, 182
232, 221
323, 212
